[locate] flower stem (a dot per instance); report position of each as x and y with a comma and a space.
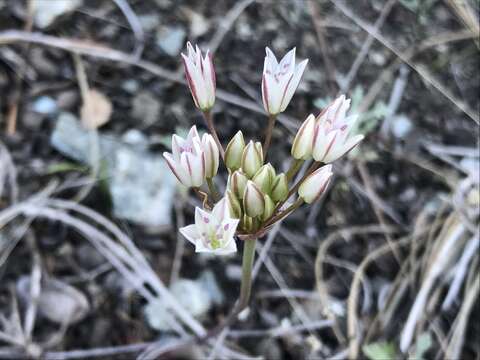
247, 265
245, 288
268, 134
207, 115
296, 165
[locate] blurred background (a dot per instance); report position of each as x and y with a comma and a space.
385, 266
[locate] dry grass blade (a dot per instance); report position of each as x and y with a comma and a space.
421, 70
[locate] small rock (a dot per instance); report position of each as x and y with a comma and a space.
198, 24
190, 294
45, 12
141, 185
146, 108
44, 105
130, 85
149, 22
209, 283
89, 257
171, 40
58, 301
401, 126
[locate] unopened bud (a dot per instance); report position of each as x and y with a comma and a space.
234, 152
280, 188
238, 181
234, 205
269, 208
253, 201
315, 184
303, 143
264, 178
211, 152
252, 158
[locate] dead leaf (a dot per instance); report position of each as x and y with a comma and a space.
96, 110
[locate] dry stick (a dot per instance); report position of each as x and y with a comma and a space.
226, 24
104, 52
422, 71
93, 138
180, 247
354, 337
13, 111
367, 182
268, 134
324, 48
207, 115
366, 46
135, 24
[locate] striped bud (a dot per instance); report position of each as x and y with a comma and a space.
234, 152
303, 142
238, 182
252, 158
269, 208
280, 188
253, 201
234, 205
315, 184
264, 178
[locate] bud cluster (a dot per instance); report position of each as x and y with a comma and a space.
254, 188
256, 194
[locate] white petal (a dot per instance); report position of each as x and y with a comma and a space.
271, 62
323, 142
274, 94
340, 151
287, 64
177, 170
177, 144
293, 84
202, 221
220, 211
229, 227
191, 233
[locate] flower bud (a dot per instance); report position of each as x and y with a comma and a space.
234, 152
264, 178
269, 208
280, 188
247, 223
238, 182
315, 184
252, 158
212, 154
253, 201
234, 205
303, 142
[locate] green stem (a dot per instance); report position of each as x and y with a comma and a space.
268, 134
294, 167
247, 265
207, 115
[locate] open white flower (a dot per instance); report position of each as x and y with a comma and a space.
200, 76
187, 160
280, 81
332, 138
213, 232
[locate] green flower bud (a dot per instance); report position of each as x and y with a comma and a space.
269, 207
234, 152
264, 178
238, 181
252, 158
280, 188
234, 205
253, 201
